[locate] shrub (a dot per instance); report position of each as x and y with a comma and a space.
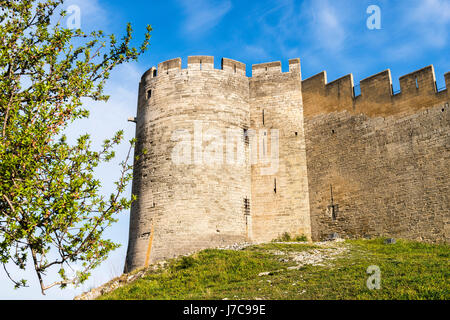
301, 238
185, 262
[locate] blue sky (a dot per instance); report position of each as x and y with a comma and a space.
325, 35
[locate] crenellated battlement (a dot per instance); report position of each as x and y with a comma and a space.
169, 66
201, 62
233, 66
227, 65
418, 90
268, 67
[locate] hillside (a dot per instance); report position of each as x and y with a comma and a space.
296, 270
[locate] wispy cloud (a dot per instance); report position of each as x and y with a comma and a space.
327, 23
202, 15
416, 29
311, 29
430, 19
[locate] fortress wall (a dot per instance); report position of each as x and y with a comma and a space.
280, 196
195, 204
385, 156
417, 91
327, 97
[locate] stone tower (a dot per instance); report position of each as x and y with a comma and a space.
220, 158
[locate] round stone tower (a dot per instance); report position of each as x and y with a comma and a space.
192, 177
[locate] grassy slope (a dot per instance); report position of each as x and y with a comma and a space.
409, 270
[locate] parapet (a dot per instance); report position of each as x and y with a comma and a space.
322, 97
169, 66
417, 91
274, 67
294, 65
195, 63
377, 87
201, 62
422, 80
233, 66
268, 67
228, 65
150, 73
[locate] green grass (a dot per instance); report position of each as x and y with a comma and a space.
409, 270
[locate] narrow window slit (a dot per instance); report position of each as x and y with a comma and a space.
246, 206
245, 136
264, 144
333, 208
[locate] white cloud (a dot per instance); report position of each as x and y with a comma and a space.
437, 10
202, 15
328, 24
310, 30
418, 27
430, 20
320, 24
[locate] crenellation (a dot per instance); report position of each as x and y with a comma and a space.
376, 94
169, 66
201, 62
342, 90
294, 65
377, 87
266, 68
233, 66
326, 97
420, 82
418, 91
316, 81
149, 74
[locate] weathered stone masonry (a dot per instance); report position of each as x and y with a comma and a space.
186, 207
384, 157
